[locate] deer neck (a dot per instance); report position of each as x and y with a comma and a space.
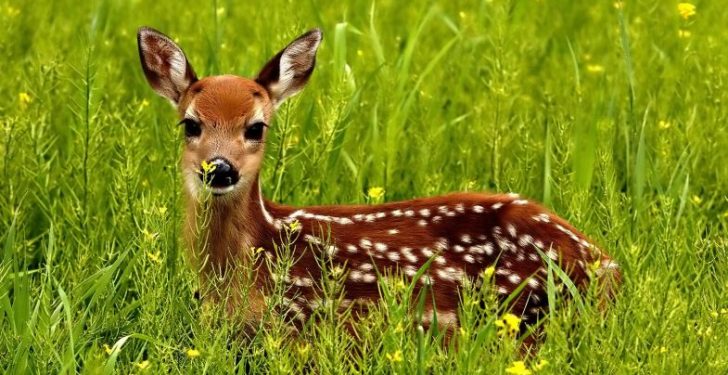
223, 232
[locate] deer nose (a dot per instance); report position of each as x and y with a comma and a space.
220, 174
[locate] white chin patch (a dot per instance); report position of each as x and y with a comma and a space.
221, 191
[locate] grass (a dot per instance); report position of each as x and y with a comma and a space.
614, 117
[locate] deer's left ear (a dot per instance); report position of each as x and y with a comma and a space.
288, 71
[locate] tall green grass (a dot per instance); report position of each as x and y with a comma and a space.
615, 118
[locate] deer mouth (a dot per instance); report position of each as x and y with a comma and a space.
220, 190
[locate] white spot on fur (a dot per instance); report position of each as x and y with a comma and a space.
525, 240
366, 267
355, 275
407, 253
458, 248
551, 253
409, 213
468, 258
478, 209
520, 202
311, 239
427, 252
394, 257
380, 246
496, 206
365, 243
393, 231
425, 212
465, 238
410, 271
440, 260
397, 213
302, 281
533, 283
422, 223
511, 230
351, 248
436, 219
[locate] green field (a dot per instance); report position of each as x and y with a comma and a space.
613, 115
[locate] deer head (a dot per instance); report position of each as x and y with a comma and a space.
225, 117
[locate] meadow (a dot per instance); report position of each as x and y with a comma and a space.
613, 114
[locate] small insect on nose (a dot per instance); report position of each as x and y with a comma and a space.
219, 174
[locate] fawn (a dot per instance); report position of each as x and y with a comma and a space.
226, 119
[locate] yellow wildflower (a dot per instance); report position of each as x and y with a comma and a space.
664, 124
663, 349
540, 365
508, 325
272, 343
359, 53
696, 199
149, 236
303, 349
684, 33
399, 328
518, 368
143, 365
25, 99
143, 104
375, 192
154, 257
462, 14
463, 332
595, 68
337, 271
208, 168
192, 353
395, 357
294, 226
714, 314
488, 272
686, 10
12, 11
618, 4
723, 311
595, 266
108, 349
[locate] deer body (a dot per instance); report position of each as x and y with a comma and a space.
460, 235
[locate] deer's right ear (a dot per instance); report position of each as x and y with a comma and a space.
164, 64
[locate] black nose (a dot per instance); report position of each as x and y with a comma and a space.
221, 175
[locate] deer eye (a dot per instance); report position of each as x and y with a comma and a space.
192, 128
254, 132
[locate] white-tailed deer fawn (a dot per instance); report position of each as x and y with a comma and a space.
226, 120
